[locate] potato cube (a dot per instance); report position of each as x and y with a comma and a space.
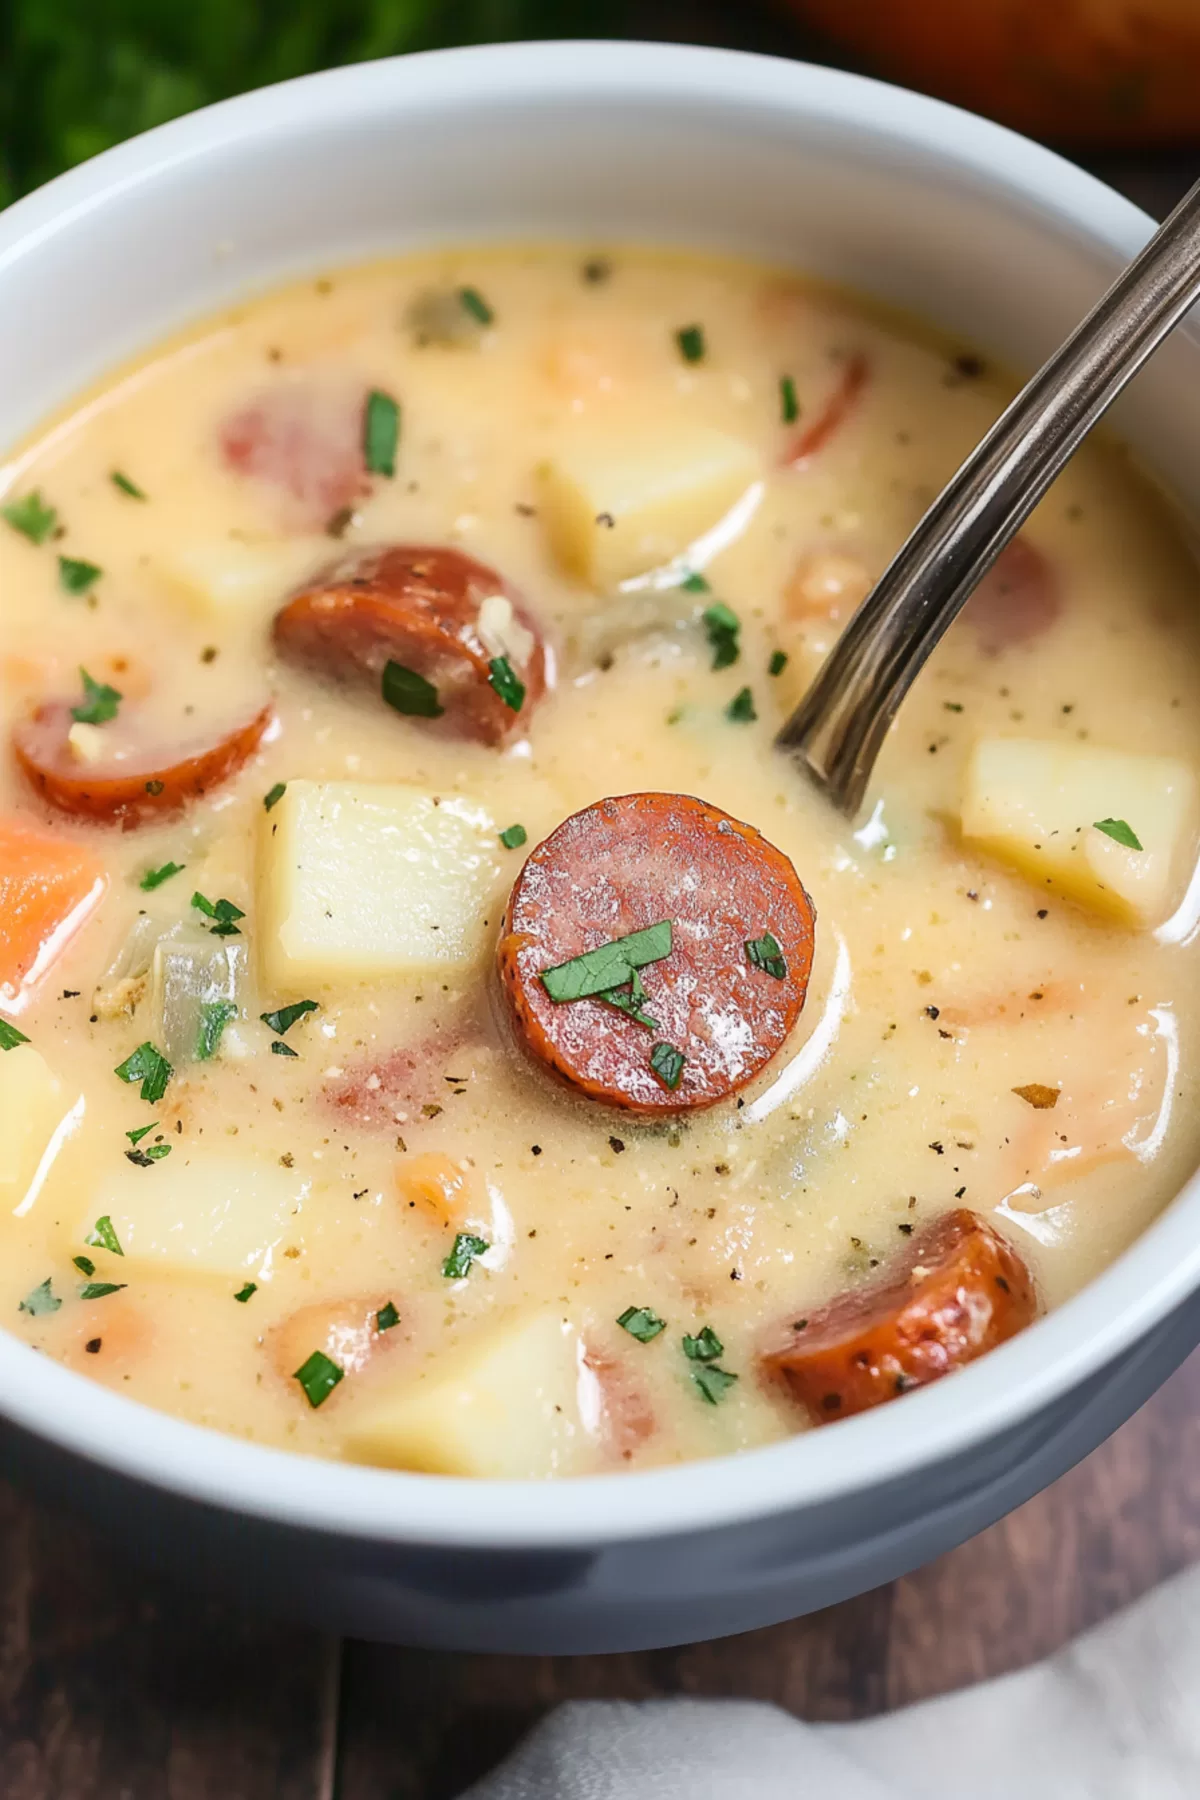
36, 1116
507, 1405
1037, 804
199, 1212
224, 580
615, 508
362, 882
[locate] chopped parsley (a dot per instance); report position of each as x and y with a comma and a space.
126, 486
386, 1317
279, 1048
318, 1376
610, 965
507, 683
244, 1293
765, 954
381, 433
713, 1383
150, 1067
690, 339
1119, 832
741, 708
154, 878
275, 796
10, 1037
778, 662
789, 406
408, 692
214, 1017
136, 1136
513, 836
84, 1264
76, 576
466, 1248
722, 625
641, 1323
96, 1290
706, 1346
145, 1159
223, 913
668, 1064
473, 302
283, 1020
631, 1002
31, 517
100, 702
695, 584
40, 1299
103, 1236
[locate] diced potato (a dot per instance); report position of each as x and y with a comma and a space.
361, 881
615, 508
224, 580
199, 1212
36, 1114
1036, 804
507, 1405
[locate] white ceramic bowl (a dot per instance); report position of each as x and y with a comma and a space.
900, 196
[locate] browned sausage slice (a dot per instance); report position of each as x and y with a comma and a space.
960, 1289
433, 611
629, 864
144, 785
303, 443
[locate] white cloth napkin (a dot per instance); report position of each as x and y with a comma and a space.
1114, 1716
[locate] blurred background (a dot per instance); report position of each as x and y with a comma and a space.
1096, 77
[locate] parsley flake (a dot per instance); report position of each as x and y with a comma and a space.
76, 576
507, 683
706, 1346
741, 708
136, 1136
279, 1048
789, 406
513, 836
318, 1376
103, 1236
84, 1264
282, 1021
145, 1159
126, 486
695, 584
641, 1323
223, 913
722, 625
668, 1064
778, 662
154, 878
466, 1248
407, 692
381, 433
275, 796
244, 1293
31, 517
765, 954
214, 1017
10, 1037
713, 1383
96, 1290
150, 1067
1119, 832
40, 1299
473, 302
386, 1317
610, 965
99, 704
690, 339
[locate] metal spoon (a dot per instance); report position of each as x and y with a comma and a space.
839, 727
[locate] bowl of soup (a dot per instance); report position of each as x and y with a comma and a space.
488, 1157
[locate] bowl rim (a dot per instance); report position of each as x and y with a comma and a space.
1010, 1386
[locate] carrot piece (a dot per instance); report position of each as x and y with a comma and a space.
811, 438
49, 885
435, 1183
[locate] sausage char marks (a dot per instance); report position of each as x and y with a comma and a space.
433, 611
619, 867
959, 1290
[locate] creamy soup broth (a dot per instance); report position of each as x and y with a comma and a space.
338, 1180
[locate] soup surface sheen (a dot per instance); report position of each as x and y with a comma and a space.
376, 1227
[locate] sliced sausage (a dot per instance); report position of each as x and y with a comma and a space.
433, 611
140, 786
624, 865
1017, 600
304, 444
959, 1290
814, 436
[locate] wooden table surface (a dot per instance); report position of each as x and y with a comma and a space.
117, 1686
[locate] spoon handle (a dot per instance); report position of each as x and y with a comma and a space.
841, 723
